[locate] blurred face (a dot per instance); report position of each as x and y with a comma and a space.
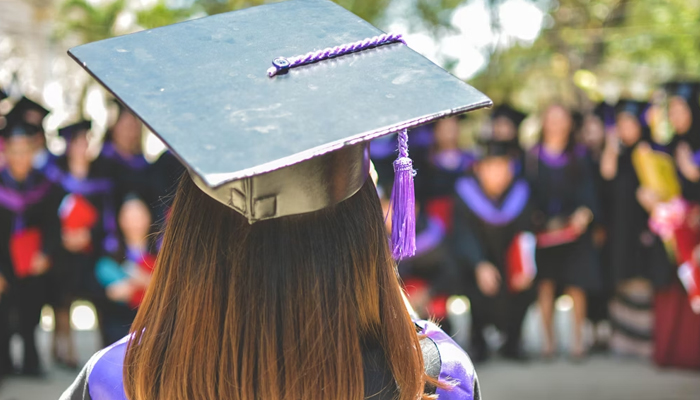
679, 115
495, 175
78, 146
447, 133
33, 117
134, 221
628, 128
556, 127
504, 129
593, 132
126, 133
19, 154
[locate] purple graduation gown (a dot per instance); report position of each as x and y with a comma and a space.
101, 379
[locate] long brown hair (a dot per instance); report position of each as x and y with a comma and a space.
280, 309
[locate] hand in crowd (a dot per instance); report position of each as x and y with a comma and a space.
581, 218
488, 278
686, 164
40, 264
121, 291
76, 240
647, 197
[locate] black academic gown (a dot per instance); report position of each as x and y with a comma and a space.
32, 204
634, 251
131, 175
560, 185
483, 231
73, 275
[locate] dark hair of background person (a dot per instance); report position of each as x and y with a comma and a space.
280, 309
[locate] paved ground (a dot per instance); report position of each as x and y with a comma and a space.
599, 378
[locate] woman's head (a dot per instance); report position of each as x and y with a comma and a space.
126, 133
629, 128
77, 148
279, 309
447, 134
134, 220
556, 126
680, 115
19, 154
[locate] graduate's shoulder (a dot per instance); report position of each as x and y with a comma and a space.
101, 378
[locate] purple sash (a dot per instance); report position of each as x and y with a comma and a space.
106, 382
383, 147
556, 160
86, 187
18, 201
135, 162
439, 160
512, 206
456, 366
696, 157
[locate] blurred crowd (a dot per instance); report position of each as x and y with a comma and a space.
75, 226
601, 207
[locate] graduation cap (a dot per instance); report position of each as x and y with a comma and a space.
635, 108
3, 95
689, 91
291, 138
67, 132
28, 111
506, 111
18, 128
495, 148
606, 113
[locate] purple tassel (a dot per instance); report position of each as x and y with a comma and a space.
403, 200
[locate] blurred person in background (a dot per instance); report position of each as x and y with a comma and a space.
446, 163
595, 127
565, 205
122, 152
29, 224
125, 275
506, 121
684, 118
677, 303
88, 228
637, 257
492, 210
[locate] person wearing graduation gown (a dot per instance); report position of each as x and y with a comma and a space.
29, 224
123, 156
565, 205
637, 256
505, 127
492, 208
684, 118
595, 127
446, 163
275, 279
88, 228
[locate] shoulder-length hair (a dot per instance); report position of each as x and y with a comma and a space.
280, 309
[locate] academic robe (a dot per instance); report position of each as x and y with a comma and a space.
634, 251
438, 182
132, 174
560, 185
102, 377
484, 229
27, 206
73, 273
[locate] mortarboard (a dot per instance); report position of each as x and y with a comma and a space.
23, 109
67, 132
635, 108
281, 140
689, 91
496, 148
3, 95
18, 128
606, 113
510, 113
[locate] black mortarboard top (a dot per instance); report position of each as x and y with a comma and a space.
3, 95
504, 110
20, 109
68, 131
689, 91
636, 108
274, 145
16, 128
486, 148
606, 113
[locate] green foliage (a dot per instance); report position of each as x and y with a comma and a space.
596, 48
161, 15
90, 23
